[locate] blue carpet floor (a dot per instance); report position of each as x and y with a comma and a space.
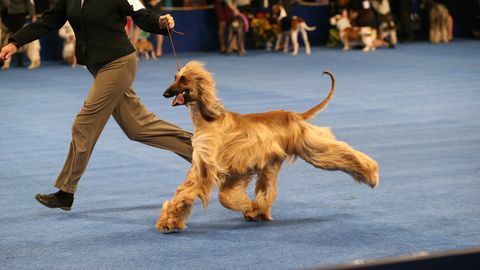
415, 109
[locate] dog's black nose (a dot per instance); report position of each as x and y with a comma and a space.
167, 94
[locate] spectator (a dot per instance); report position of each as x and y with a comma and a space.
361, 14
156, 7
403, 11
225, 10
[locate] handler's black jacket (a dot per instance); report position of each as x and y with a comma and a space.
98, 25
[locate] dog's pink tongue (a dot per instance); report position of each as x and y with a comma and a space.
178, 100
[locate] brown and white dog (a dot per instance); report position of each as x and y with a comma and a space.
387, 29
32, 50
350, 35
290, 27
68, 36
230, 149
145, 49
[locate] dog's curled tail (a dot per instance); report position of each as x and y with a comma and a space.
310, 28
313, 111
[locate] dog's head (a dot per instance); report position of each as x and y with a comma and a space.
194, 85
341, 21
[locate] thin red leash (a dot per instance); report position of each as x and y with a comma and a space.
173, 46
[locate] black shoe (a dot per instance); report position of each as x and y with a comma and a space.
60, 200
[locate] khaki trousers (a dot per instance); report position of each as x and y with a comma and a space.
111, 94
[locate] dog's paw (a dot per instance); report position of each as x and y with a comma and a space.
168, 224
256, 216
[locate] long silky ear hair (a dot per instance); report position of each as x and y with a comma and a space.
211, 108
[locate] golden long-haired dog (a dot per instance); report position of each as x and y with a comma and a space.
231, 148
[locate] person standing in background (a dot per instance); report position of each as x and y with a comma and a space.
403, 11
226, 10
361, 14
156, 7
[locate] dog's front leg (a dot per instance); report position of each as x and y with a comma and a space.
345, 41
286, 41
199, 183
176, 211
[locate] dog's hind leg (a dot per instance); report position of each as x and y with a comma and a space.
286, 40
233, 194
330, 154
305, 41
265, 192
294, 37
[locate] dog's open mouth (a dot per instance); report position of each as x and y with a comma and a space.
179, 99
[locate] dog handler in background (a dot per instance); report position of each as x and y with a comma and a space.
102, 45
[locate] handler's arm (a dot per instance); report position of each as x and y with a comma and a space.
146, 19
51, 20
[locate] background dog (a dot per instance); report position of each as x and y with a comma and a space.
387, 29
350, 35
290, 27
32, 50
145, 49
231, 148
68, 36
441, 23
236, 31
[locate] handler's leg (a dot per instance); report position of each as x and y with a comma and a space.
144, 126
111, 82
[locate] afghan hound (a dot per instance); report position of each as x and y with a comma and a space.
231, 148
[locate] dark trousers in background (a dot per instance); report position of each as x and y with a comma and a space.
403, 12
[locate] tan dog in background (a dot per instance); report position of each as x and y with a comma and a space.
145, 49
231, 148
441, 23
32, 50
68, 36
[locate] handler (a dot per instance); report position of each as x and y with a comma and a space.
103, 46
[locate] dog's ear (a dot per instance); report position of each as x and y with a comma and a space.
210, 107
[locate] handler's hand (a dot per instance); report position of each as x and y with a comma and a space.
166, 21
8, 51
